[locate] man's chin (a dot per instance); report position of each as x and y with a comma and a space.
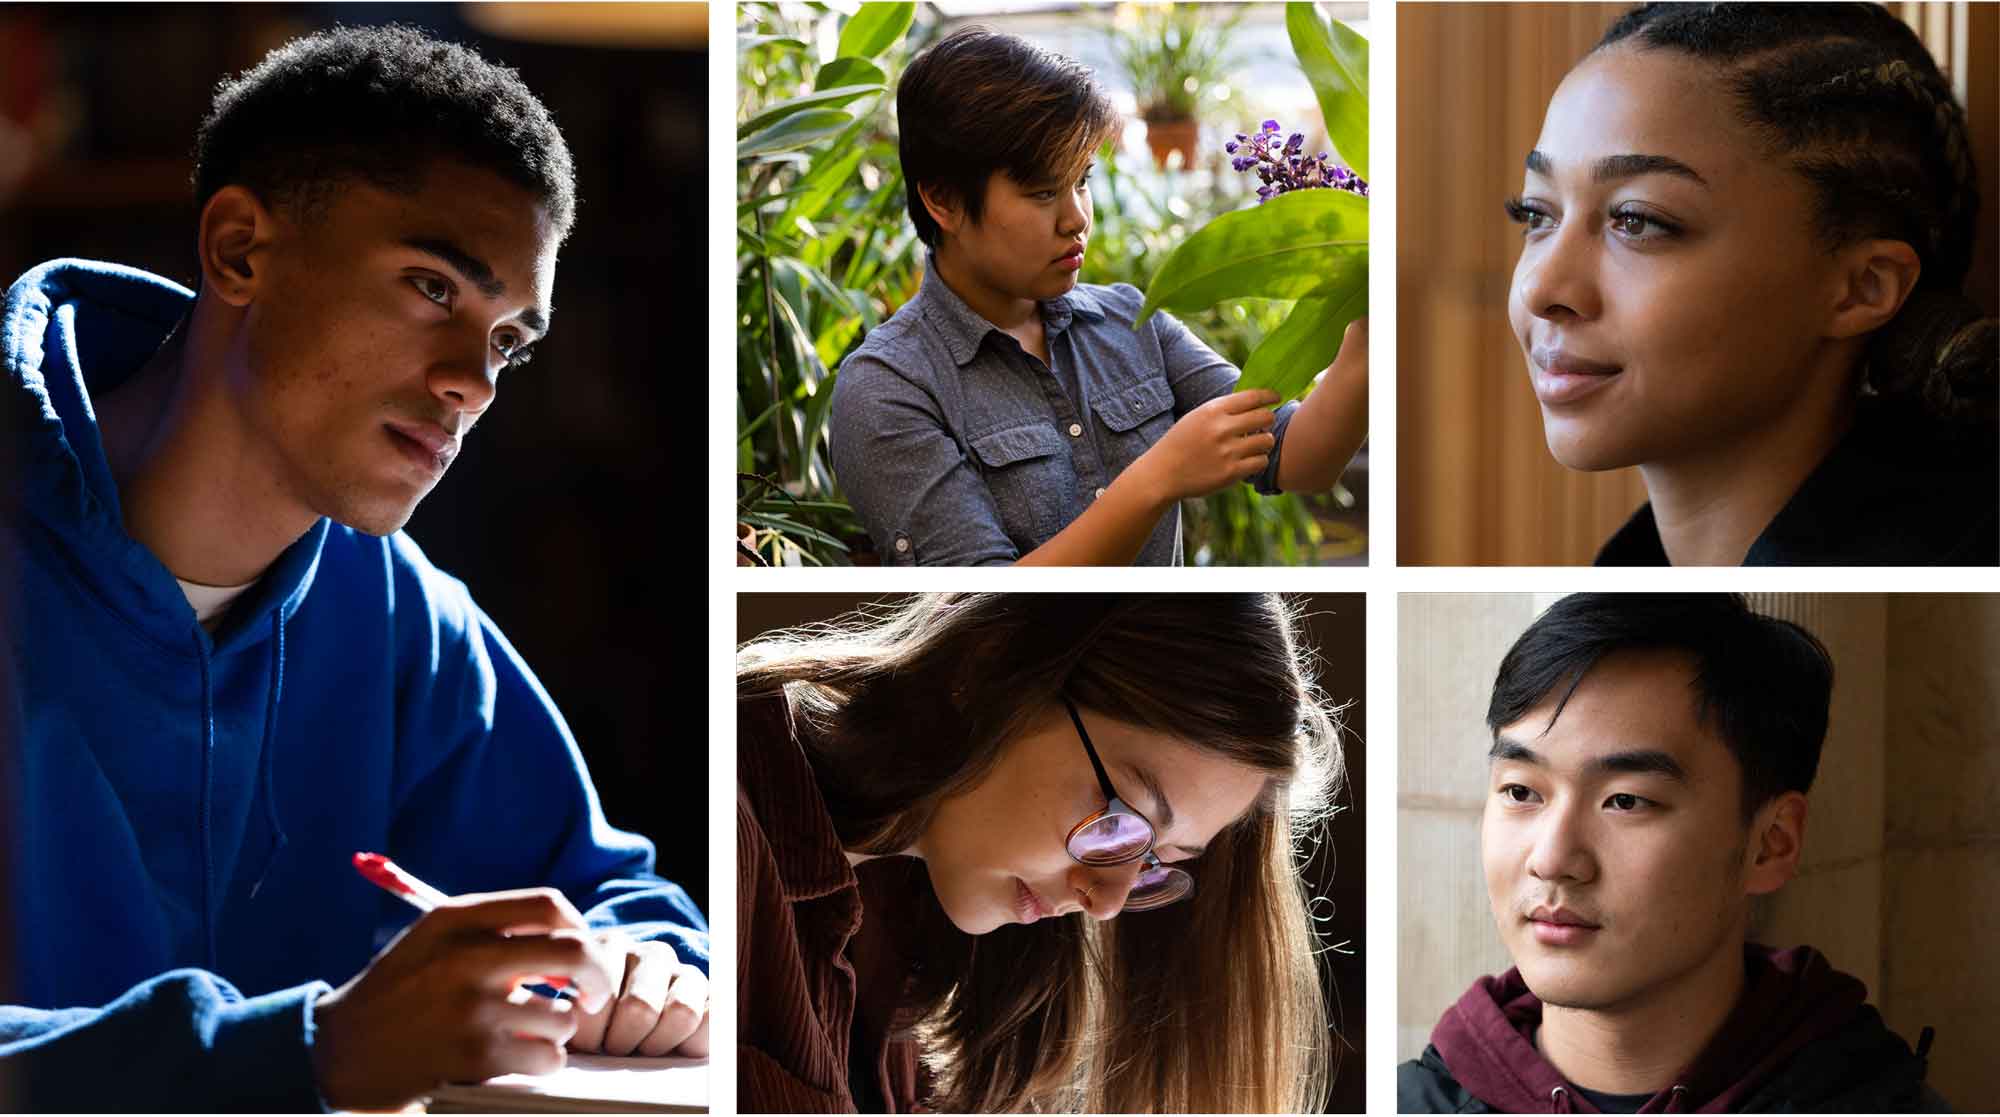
380, 521
1573, 984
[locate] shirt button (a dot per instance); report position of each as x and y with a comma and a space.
902, 546
1076, 430
1100, 491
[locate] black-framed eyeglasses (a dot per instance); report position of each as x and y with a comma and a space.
1119, 835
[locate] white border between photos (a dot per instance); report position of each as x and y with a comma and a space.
720, 721
1381, 580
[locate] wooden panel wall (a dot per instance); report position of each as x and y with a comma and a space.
1475, 483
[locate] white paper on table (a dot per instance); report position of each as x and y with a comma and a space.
588, 1084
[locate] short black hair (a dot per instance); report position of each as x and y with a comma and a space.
377, 105
979, 101
1762, 683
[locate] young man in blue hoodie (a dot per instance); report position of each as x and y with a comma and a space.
232, 671
1648, 774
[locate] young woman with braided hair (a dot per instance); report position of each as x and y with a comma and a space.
1746, 231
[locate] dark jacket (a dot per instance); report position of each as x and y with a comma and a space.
1800, 1040
1888, 495
823, 972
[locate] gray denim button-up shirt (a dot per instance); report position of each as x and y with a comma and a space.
957, 447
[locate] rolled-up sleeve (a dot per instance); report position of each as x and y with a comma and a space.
1199, 374
905, 476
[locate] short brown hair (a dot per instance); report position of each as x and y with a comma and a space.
978, 101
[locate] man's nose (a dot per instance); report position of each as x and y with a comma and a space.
467, 381
1561, 849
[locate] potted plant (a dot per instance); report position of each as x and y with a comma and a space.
1174, 55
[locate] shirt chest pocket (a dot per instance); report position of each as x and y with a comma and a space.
1028, 470
1136, 415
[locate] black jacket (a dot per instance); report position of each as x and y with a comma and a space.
1888, 495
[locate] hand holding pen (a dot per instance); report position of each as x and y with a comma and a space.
443, 1001
391, 878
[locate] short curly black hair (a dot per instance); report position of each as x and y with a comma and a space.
370, 104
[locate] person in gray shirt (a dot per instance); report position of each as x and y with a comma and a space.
1008, 413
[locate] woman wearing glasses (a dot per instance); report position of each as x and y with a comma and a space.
942, 805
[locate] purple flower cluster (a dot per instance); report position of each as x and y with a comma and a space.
1281, 166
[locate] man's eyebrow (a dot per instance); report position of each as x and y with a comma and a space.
1164, 819
1611, 168
477, 272
1633, 761
1644, 762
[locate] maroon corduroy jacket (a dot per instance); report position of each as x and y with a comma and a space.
820, 986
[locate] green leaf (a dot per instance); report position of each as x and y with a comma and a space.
789, 527
832, 172
874, 29
849, 71
1335, 61
824, 99
750, 428
1306, 343
748, 43
1288, 248
813, 278
794, 131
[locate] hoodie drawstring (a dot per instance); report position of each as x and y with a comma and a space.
1559, 1100
270, 737
207, 802
1674, 1099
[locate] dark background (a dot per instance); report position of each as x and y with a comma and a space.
558, 514
1336, 628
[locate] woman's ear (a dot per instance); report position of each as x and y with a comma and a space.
943, 205
1873, 278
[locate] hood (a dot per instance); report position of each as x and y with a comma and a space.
1791, 998
71, 330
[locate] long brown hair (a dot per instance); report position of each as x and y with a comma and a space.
1211, 1005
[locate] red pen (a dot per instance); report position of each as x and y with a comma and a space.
393, 878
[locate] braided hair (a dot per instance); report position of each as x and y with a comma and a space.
1849, 97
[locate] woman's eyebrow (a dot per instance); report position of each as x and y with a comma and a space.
1611, 168
1165, 810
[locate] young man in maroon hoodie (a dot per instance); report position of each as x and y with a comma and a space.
1650, 761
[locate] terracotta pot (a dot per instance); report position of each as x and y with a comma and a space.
1168, 136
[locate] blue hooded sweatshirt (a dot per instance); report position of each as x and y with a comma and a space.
184, 808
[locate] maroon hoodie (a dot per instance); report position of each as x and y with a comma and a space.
1790, 999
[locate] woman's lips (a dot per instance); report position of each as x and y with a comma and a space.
1027, 905
1560, 377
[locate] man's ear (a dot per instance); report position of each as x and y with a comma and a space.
235, 229
944, 206
1873, 279
1777, 840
